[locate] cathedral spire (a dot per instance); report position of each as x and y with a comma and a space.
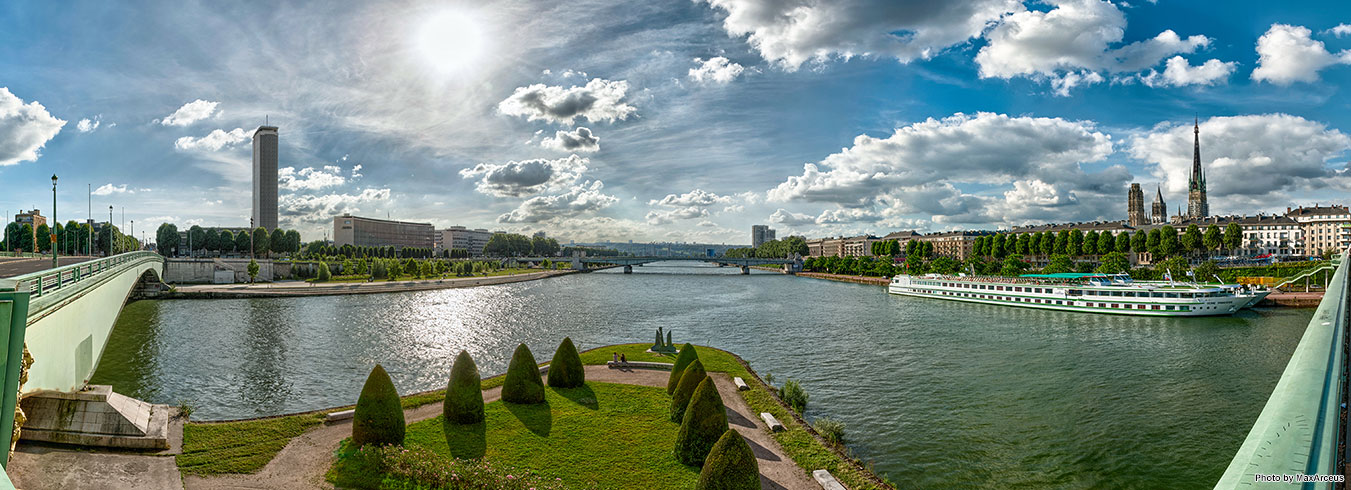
1197, 207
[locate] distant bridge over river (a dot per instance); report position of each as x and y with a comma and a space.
580, 262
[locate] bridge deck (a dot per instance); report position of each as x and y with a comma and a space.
10, 267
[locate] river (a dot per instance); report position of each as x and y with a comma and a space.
937, 394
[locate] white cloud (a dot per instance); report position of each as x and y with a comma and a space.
24, 128
310, 178
715, 70
846, 215
585, 198
1341, 30
1244, 157
580, 139
191, 112
1179, 72
108, 189
786, 217
1286, 54
87, 125
526, 177
599, 100
356, 170
697, 197
669, 216
309, 209
1070, 44
793, 32
213, 141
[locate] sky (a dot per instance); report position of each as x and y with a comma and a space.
673, 120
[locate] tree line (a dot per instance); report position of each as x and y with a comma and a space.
264, 243
516, 245
72, 238
773, 249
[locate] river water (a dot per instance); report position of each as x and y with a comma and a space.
937, 394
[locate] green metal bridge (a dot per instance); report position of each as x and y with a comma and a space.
63, 316
1302, 430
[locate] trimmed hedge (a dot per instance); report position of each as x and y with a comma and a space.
523, 384
464, 394
704, 423
689, 380
730, 465
378, 418
566, 370
687, 355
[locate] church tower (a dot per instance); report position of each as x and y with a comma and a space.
1197, 207
1158, 211
1135, 206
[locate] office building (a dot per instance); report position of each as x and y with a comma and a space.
33, 218
761, 234
463, 238
265, 177
371, 232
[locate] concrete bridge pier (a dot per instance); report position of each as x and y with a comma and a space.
745, 270
628, 269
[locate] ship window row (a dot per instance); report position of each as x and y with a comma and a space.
1063, 302
1087, 292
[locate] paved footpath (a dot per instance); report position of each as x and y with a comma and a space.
303, 462
302, 288
13, 266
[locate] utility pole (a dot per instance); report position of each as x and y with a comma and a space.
110, 231
89, 195
54, 225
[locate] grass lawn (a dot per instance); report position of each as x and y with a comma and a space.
600, 435
238, 447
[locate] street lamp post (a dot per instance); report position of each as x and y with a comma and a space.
110, 231
54, 222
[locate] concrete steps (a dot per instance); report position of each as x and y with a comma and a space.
95, 417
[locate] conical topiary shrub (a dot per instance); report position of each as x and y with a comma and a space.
464, 394
689, 380
705, 421
566, 370
378, 418
523, 384
687, 355
730, 465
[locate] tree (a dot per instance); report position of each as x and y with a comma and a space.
566, 369
324, 274
42, 241
1062, 242
276, 242
292, 242
1233, 237
690, 378
464, 393
997, 247
523, 384
687, 355
1168, 244
1123, 242
945, 265
793, 394
1139, 242
1192, 241
1059, 263
212, 240
227, 242
730, 465
1174, 267
253, 270
1075, 244
242, 242
1090, 245
1047, 243
927, 249
1107, 243
198, 237
378, 418
1114, 263
1152, 242
1207, 271
910, 247
704, 423
166, 239
1014, 265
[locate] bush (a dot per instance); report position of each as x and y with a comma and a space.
794, 396
324, 274
566, 370
464, 394
379, 416
705, 421
830, 429
378, 270
419, 467
523, 384
687, 355
689, 380
730, 465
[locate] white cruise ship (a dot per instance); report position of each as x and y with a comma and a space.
1094, 293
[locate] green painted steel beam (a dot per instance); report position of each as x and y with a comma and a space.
13, 319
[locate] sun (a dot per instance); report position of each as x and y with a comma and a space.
450, 41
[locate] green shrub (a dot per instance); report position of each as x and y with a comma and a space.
419, 467
705, 421
689, 380
464, 394
794, 395
730, 465
378, 270
830, 429
379, 416
523, 384
566, 370
687, 355
324, 274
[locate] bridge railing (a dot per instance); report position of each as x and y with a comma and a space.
1300, 429
46, 282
